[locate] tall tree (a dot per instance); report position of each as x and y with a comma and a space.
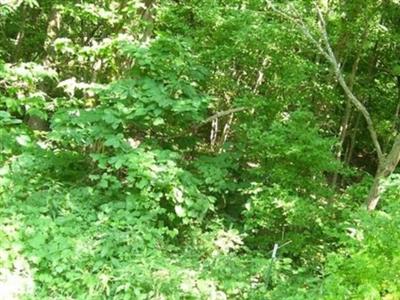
387, 161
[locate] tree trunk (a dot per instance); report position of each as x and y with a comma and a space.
350, 150
375, 191
53, 27
397, 113
387, 163
342, 136
147, 14
385, 169
348, 110
20, 36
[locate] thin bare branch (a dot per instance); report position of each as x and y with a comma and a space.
303, 27
326, 50
356, 102
221, 114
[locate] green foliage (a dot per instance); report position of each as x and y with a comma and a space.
160, 149
292, 150
366, 266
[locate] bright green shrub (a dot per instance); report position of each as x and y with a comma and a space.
367, 265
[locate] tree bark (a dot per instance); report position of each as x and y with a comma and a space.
385, 169
21, 35
350, 149
147, 13
397, 113
346, 118
53, 27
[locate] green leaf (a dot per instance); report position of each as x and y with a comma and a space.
158, 121
23, 140
180, 211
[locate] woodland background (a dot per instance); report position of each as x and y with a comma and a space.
159, 149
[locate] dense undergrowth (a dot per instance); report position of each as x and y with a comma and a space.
66, 240
161, 149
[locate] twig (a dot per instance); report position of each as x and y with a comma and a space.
273, 257
283, 245
221, 114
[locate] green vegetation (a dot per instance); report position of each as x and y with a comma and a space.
162, 149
